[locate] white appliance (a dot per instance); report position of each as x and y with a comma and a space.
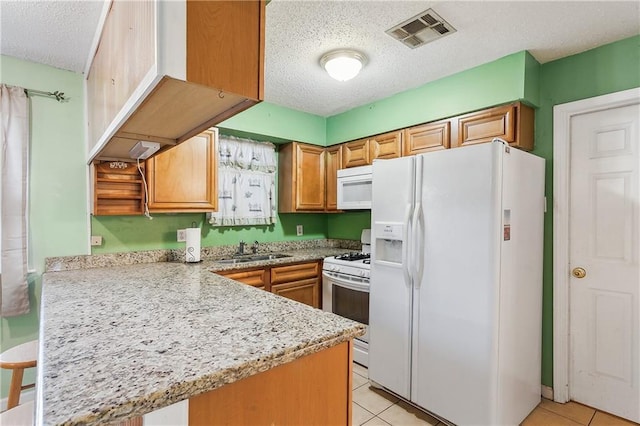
456, 282
345, 291
354, 188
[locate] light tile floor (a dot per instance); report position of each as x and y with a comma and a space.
374, 407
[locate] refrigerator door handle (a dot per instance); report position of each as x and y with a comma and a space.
406, 259
415, 249
419, 229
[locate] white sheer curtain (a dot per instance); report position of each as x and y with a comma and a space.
14, 140
246, 183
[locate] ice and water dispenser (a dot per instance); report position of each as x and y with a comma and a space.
389, 240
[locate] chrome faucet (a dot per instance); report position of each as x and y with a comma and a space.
241, 245
254, 247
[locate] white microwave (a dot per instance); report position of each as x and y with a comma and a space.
354, 188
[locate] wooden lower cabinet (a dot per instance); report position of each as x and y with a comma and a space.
301, 282
303, 291
315, 389
255, 277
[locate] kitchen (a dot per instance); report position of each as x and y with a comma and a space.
59, 192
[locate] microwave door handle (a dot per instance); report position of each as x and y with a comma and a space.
346, 283
406, 255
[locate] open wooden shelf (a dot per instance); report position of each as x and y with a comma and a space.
118, 189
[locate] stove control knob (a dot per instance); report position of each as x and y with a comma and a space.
335, 268
363, 273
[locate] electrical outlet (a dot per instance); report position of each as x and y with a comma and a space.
182, 235
299, 230
96, 240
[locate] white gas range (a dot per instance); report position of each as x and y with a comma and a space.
345, 291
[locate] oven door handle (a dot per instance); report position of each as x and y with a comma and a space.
346, 283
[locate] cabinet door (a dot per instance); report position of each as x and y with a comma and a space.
256, 277
427, 137
355, 153
299, 282
388, 145
483, 126
310, 177
128, 37
303, 291
184, 178
333, 162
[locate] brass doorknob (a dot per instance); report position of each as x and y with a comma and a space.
579, 272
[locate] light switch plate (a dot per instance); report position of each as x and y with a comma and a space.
96, 240
299, 230
182, 235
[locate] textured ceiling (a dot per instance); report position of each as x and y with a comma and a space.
60, 33
56, 33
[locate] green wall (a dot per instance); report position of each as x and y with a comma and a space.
269, 120
494, 83
58, 175
133, 233
603, 70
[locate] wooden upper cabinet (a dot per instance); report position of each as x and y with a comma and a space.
184, 178
513, 123
356, 153
190, 65
333, 163
301, 178
427, 137
388, 145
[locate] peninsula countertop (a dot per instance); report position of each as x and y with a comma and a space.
122, 341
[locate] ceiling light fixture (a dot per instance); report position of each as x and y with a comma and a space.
343, 64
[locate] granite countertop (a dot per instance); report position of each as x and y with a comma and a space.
121, 341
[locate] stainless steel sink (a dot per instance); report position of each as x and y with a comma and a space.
252, 258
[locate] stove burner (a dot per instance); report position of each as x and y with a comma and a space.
352, 256
367, 261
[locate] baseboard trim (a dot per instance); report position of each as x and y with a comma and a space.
28, 395
547, 392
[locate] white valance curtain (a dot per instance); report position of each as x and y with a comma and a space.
246, 183
14, 139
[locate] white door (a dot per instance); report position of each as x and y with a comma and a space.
604, 311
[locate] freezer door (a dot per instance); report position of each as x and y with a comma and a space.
390, 292
455, 303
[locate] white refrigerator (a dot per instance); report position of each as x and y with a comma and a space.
456, 282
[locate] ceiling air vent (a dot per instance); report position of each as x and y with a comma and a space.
423, 28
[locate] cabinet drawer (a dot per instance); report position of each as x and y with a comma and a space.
283, 274
428, 137
355, 153
256, 277
303, 291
